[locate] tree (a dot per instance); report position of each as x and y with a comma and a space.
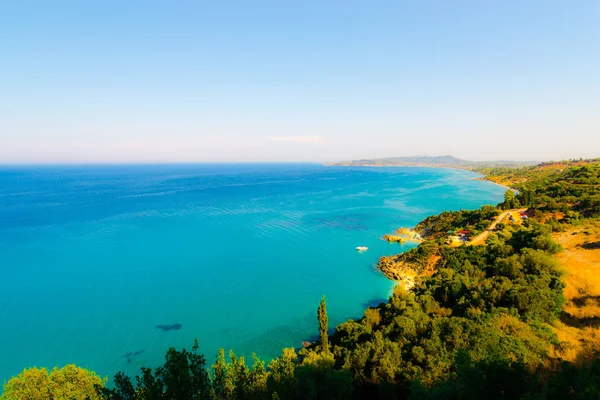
222, 381
527, 198
322, 317
183, 376
509, 200
282, 381
67, 383
258, 379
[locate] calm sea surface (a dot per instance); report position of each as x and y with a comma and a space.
93, 258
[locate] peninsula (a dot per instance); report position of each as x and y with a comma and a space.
445, 161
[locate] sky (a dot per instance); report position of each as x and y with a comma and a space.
319, 81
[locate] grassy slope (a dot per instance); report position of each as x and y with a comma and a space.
580, 322
579, 326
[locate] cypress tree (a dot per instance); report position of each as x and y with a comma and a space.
322, 317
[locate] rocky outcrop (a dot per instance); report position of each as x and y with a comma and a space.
394, 238
402, 235
400, 271
407, 267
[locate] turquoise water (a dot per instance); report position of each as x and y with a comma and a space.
93, 258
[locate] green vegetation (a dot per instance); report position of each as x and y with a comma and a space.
487, 304
66, 383
510, 200
475, 221
478, 324
571, 188
323, 326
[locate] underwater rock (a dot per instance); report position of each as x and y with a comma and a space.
129, 355
165, 328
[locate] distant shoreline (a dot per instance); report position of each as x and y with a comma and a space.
463, 168
457, 167
496, 183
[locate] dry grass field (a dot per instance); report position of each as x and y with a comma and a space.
579, 326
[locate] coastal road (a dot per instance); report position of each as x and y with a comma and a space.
482, 237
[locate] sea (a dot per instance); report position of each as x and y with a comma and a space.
107, 266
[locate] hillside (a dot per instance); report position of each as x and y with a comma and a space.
579, 326
437, 161
515, 177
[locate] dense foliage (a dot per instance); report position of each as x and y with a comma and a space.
571, 188
574, 192
486, 303
440, 225
67, 383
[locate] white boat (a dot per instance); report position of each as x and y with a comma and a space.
362, 248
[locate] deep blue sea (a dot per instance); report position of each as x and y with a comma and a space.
93, 258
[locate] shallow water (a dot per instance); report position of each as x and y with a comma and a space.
96, 261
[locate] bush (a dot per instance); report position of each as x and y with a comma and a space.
67, 383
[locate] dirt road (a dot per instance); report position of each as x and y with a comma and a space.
482, 237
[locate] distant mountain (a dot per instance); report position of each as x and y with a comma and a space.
427, 161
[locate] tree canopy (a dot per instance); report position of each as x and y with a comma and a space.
67, 383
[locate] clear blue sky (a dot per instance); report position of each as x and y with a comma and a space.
114, 81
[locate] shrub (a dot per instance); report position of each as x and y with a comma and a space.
67, 383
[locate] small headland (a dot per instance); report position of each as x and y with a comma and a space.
407, 267
403, 235
424, 260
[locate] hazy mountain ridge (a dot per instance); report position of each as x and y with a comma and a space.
432, 161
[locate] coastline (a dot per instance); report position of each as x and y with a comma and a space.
330, 229
484, 178
459, 168
411, 272
401, 268
465, 168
